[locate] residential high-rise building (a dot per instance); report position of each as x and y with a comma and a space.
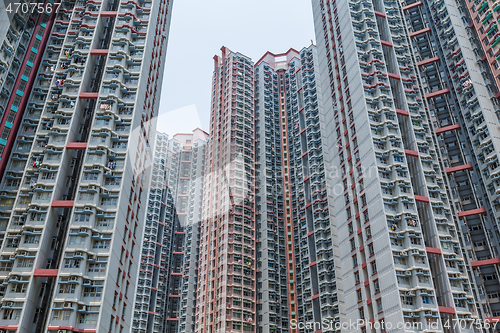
460, 89
79, 96
227, 258
480, 20
296, 278
266, 242
167, 276
403, 104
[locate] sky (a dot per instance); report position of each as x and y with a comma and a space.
198, 30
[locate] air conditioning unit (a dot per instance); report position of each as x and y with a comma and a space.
9, 304
62, 331
68, 304
12, 256
92, 187
23, 253
73, 278
88, 208
78, 254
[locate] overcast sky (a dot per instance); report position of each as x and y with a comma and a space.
198, 30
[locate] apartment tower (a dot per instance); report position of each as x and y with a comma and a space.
167, 277
227, 258
398, 228
78, 94
296, 281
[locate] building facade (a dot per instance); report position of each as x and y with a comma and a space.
227, 256
167, 277
464, 113
411, 184
76, 162
296, 280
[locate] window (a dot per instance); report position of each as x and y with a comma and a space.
76, 240
82, 217
18, 287
72, 263
374, 267
376, 286
124, 311
379, 305
428, 299
92, 292
101, 244
67, 288
371, 250
32, 239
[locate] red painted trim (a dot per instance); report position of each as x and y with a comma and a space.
394, 76
433, 250
411, 153
415, 4
99, 52
447, 128
476, 211
467, 166
444, 309
438, 93
485, 262
423, 31
76, 145
8, 327
421, 198
402, 112
315, 296
385, 43
427, 61
62, 203
379, 14
89, 95
366, 283
108, 14
45, 272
